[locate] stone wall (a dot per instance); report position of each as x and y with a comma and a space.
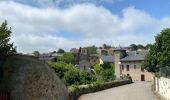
162, 87
75, 92
27, 78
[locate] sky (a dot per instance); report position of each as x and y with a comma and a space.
47, 25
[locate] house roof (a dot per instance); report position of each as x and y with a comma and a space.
107, 58
135, 55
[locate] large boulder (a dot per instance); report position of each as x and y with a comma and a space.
27, 78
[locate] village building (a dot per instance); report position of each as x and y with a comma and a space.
130, 64
108, 58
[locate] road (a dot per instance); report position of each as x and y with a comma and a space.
135, 91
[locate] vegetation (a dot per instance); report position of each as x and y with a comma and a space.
60, 51
70, 74
74, 76
136, 47
36, 53
68, 58
104, 73
159, 53
92, 49
6, 48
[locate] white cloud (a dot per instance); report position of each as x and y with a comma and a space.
41, 28
64, 3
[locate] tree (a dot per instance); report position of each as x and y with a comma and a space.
68, 58
36, 53
159, 53
140, 46
148, 46
92, 49
6, 48
105, 46
134, 47
60, 51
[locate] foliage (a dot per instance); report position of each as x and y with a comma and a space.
159, 53
140, 46
104, 72
60, 51
60, 68
6, 47
105, 46
92, 49
68, 58
148, 46
70, 74
36, 53
134, 46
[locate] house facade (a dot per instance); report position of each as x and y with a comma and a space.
130, 64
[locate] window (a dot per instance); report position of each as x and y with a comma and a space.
127, 67
122, 67
134, 66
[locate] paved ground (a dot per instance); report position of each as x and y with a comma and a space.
135, 91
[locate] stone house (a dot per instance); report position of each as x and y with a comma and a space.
108, 58
49, 57
130, 63
94, 59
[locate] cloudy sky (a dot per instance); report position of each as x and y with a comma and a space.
46, 25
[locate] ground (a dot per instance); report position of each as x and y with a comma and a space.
134, 91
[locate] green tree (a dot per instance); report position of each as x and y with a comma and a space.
68, 58
134, 47
36, 53
105, 46
140, 46
92, 49
104, 72
6, 48
60, 51
159, 53
148, 46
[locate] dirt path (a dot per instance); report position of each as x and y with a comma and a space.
135, 91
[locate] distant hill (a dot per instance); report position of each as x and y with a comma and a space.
27, 78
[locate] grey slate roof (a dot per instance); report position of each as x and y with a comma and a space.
107, 58
135, 55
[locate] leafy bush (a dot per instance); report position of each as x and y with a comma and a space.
71, 75
104, 72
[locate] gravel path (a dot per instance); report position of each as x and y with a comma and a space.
135, 91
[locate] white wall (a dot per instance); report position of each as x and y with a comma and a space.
162, 86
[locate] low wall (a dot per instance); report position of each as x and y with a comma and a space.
162, 87
75, 92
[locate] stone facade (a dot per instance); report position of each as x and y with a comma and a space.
135, 70
130, 63
84, 65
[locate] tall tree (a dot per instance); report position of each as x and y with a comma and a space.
134, 46
159, 53
68, 58
6, 48
148, 46
60, 51
140, 46
92, 49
